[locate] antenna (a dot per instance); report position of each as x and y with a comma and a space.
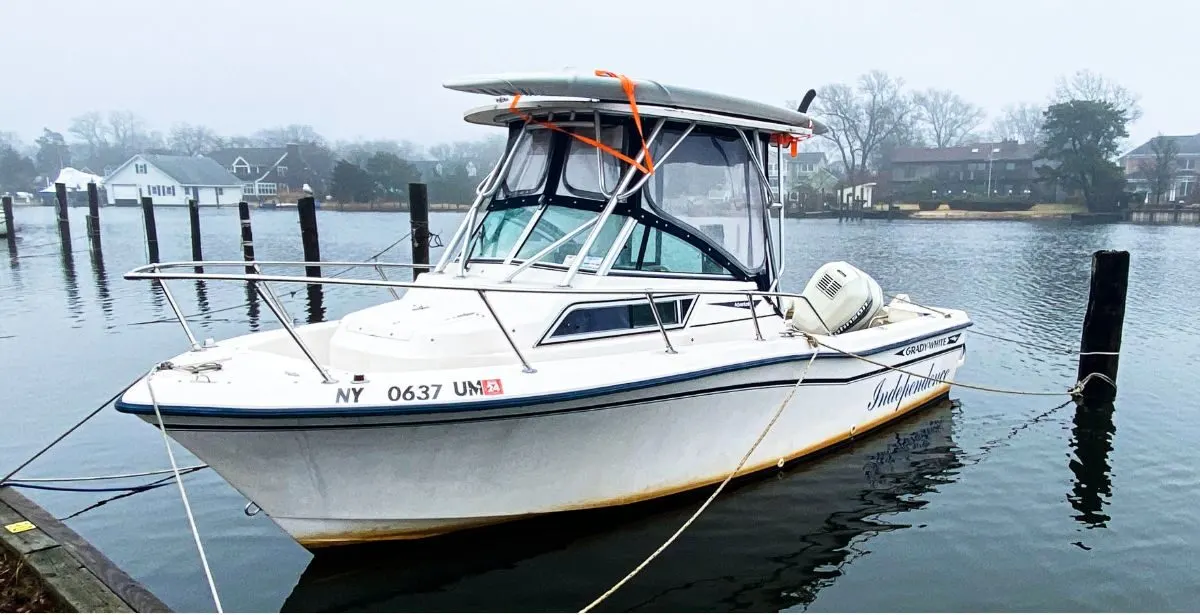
806, 101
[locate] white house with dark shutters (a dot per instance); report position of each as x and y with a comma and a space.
172, 180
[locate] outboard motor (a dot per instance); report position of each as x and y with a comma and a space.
844, 297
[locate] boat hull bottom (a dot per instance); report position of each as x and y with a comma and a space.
323, 533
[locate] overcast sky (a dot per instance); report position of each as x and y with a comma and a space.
373, 69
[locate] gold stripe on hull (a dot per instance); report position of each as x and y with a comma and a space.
328, 540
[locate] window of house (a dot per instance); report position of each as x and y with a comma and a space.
616, 318
281, 171
267, 188
1010, 166
248, 189
1187, 164
220, 191
140, 168
241, 168
170, 190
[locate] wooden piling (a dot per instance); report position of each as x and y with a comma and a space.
194, 222
93, 217
1102, 325
247, 237
151, 228
418, 213
64, 221
307, 208
11, 235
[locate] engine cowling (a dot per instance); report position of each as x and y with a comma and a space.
842, 297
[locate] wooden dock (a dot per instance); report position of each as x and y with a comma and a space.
70, 568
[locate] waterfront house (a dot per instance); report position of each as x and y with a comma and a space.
1184, 178
172, 180
75, 181
271, 173
1003, 169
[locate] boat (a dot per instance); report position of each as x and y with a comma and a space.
606, 326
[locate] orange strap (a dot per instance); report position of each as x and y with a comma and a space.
791, 141
629, 87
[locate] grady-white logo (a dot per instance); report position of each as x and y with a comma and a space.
908, 351
905, 385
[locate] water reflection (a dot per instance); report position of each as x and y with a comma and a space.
1091, 442
252, 306
101, 279
70, 284
316, 303
770, 544
202, 299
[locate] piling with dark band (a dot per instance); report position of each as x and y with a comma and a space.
307, 208
93, 217
6, 203
151, 228
64, 221
418, 199
247, 236
194, 222
1102, 325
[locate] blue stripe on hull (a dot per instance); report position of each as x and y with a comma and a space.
473, 406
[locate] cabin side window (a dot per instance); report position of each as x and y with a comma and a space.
709, 185
617, 318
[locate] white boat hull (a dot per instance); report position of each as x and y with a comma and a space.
336, 480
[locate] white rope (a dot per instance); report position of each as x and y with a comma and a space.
699, 511
80, 479
1051, 348
187, 507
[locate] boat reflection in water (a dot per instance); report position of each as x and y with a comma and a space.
768, 543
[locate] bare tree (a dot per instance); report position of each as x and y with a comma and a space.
192, 139
1088, 85
1159, 171
946, 117
1020, 122
126, 130
862, 117
292, 133
90, 129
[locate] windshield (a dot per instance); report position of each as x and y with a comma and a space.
502, 229
708, 183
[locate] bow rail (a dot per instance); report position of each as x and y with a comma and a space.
187, 270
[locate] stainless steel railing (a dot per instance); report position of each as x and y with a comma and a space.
162, 272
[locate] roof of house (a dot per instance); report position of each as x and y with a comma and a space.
193, 170
254, 156
806, 157
979, 152
1187, 144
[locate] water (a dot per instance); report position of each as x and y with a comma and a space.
990, 502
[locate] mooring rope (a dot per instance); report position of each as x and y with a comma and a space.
715, 493
81, 479
813, 341
1041, 347
187, 507
68, 432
